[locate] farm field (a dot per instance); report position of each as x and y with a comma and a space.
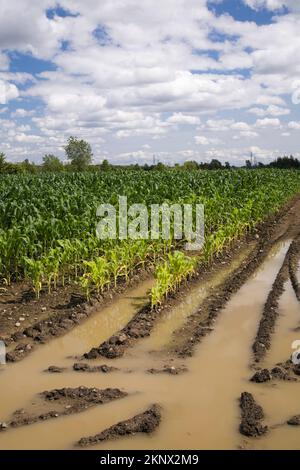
80, 316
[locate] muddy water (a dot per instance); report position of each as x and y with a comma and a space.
200, 407
285, 334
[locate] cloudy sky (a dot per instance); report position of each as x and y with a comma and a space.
181, 79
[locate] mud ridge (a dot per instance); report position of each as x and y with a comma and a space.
293, 268
270, 313
282, 371
172, 370
53, 319
67, 401
145, 422
251, 416
83, 367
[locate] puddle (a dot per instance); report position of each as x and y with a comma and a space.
200, 407
285, 334
176, 317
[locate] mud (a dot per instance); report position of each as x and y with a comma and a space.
294, 421
83, 367
262, 341
56, 313
282, 371
284, 225
195, 404
26, 322
193, 331
145, 422
55, 369
251, 416
139, 327
166, 369
293, 269
67, 401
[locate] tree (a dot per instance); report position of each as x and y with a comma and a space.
79, 152
52, 163
286, 162
215, 164
104, 166
190, 165
3, 163
28, 167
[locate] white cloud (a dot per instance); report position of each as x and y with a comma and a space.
294, 125
180, 118
271, 110
8, 91
267, 122
201, 140
149, 63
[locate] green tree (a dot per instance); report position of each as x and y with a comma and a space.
28, 167
190, 165
79, 152
215, 164
3, 163
105, 165
52, 163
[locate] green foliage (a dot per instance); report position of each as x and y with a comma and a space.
48, 221
52, 163
79, 152
2, 162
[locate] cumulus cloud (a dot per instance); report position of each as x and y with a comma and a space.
267, 122
121, 72
8, 91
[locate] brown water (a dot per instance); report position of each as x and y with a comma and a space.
200, 408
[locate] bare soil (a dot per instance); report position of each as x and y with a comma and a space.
61, 402
26, 322
251, 416
262, 341
145, 422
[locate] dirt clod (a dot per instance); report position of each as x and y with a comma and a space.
261, 376
145, 422
83, 367
294, 421
55, 369
252, 414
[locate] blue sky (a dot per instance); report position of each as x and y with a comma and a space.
191, 80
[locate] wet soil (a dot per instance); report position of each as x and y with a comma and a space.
201, 323
83, 367
26, 322
281, 371
61, 402
145, 422
270, 313
251, 416
284, 224
215, 373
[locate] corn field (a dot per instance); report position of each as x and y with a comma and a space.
48, 223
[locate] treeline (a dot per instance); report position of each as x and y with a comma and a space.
79, 158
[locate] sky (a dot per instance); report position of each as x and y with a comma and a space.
178, 79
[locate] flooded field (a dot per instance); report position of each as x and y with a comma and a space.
204, 399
